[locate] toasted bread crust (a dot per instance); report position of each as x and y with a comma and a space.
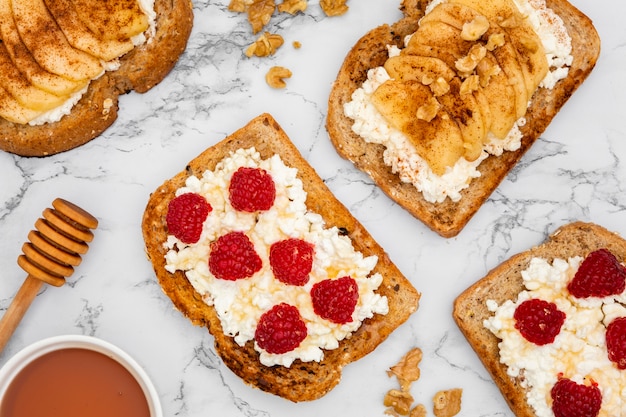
504, 282
449, 218
140, 70
302, 381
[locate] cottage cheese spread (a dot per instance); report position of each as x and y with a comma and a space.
240, 303
578, 352
401, 155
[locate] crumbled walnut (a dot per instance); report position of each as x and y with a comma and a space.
494, 41
334, 7
265, 45
418, 411
296, 44
426, 112
467, 64
447, 403
292, 6
439, 87
473, 30
400, 401
238, 5
470, 84
275, 77
407, 369
259, 13
485, 71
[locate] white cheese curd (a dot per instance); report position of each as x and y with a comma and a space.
402, 156
578, 351
241, 303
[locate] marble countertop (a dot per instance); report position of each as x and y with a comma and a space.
573, 172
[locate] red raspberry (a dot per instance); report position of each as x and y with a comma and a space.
616, 341
281, 329
291, 261
233, 257
185, 215
251, 189
575, 400
599, 275
538, 321
335, 299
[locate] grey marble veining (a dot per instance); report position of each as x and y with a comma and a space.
575, 171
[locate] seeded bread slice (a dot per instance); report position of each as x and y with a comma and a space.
140, 70
504, 282
449, 218
302, 381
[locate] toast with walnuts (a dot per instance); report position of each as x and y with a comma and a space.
65, 64
415, 107
299, 379
502, 286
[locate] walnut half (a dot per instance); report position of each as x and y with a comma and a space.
275, 77
265, 45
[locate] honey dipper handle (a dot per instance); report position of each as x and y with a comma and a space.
12, 317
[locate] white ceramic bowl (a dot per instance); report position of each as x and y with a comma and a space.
16, 363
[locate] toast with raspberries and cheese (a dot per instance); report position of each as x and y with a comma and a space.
502, 286
294, 231
470, 72
65, 63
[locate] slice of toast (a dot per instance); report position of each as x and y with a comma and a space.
302, 381
140, 70
504, 282
448, 218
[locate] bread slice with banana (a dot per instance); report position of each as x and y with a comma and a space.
438, 107
65, 63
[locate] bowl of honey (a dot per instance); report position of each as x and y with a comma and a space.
76, 376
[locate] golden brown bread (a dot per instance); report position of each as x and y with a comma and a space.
302, 381
504, 282
449, 218
140, 70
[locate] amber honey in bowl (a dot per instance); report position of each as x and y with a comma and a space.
84, 378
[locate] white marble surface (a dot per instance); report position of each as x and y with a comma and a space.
574, 172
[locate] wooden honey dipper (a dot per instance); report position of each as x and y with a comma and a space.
51, 254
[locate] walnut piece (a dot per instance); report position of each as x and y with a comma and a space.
467, 64
292, 6
334, 7
473, 30
259, 13
407, 369
470, 84
418, 411
265, 45
275, 77
439, 87
447, 403
400, 401
427, 112
494, 41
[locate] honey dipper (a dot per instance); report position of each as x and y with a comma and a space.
51, 254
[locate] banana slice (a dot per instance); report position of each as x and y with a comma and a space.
438, 140
80, 37
25, 62
112, 19
48, 45
16, 84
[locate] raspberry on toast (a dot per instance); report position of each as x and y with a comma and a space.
302, 381
449, 218
140, 70
504, 282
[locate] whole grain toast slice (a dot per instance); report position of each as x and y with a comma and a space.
504, 282
449, 218
302, 381
140, 70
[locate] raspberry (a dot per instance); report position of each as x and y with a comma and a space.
251, 189
291, 261
185, 215
575, 400
280, 330
616, 341
538, 321
335, 299
599, 275
233, 257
